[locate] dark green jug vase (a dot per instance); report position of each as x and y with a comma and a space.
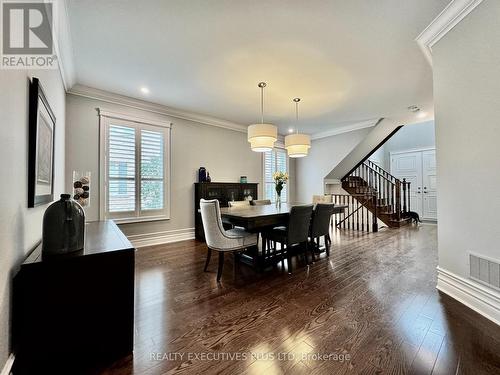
63, 227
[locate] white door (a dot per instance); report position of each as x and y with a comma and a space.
408, 165
429, 182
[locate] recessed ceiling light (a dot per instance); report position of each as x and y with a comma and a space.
422, 114
290, 130
413, 108
144, 90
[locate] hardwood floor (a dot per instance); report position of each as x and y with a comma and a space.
372, 304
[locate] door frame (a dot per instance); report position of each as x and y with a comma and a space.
410, 150
418, 149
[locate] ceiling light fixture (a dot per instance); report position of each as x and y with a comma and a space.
297, 144
262, 136
144, 90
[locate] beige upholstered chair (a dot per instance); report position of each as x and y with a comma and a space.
327, 198
218, 238
238, 203
261, 202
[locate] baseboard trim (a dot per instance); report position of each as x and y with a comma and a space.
158, 238
479, 298
7, 368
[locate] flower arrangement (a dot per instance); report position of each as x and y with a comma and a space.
280, 180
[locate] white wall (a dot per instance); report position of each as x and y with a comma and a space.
225, 153
20, 226
324, 155
466, 64
412, 136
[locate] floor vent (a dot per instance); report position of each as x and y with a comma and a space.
485, 271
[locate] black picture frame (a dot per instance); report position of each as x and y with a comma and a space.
41, 146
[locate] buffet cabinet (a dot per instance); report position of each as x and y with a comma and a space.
224, 192
73, 313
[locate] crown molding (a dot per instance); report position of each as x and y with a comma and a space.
106, 96
454, 12
63, 45
345, 129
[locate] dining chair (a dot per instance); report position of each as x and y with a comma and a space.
295, 233
261, 202
320, 226
326, 198
219, 239
238, 203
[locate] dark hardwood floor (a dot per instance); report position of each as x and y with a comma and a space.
372, 305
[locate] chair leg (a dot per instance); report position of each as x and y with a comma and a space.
282, 255
328, 242
288, 259
312, 252
221, 264
306, 257
209, 254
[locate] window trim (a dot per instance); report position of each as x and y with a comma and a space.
264, 182
105, 119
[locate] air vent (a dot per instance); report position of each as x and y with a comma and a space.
485, 271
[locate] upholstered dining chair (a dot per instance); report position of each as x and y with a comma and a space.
238, 203
295, 233
320, 225
219, 239
326, 198
260, 202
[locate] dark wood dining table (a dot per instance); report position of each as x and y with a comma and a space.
260, 218
255, 218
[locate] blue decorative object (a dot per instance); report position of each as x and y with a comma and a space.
202, 174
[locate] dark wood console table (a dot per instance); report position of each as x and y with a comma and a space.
74, 312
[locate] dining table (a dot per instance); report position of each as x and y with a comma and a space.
260, 218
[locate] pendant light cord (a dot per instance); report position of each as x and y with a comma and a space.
261, 104
297, 100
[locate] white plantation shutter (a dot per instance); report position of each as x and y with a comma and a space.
281, 165
152, 170
134, 168
274, 161
121, 167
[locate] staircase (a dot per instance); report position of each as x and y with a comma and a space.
377, 191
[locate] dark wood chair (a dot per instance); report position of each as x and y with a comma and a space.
295, 233
320, 226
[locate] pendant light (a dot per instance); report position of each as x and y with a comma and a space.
262, 136
297, 144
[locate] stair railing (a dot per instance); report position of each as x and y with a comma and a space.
389, 193
357, 215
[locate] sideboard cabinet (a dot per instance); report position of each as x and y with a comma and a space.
224, 192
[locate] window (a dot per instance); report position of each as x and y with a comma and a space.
274, 161
135, 168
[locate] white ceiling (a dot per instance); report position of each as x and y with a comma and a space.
349, 61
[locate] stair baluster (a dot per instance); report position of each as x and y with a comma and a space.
374, 215
409, 198
404, 196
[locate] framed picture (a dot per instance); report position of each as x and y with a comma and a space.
42, 124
